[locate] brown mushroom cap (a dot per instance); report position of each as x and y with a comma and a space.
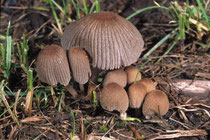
155, 102
148, 83
116, 76
114, 97
80, 65
52, 66
136, 94
110, 39
132, 73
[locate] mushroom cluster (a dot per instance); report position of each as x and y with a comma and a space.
141, 92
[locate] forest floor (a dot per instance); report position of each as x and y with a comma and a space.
188, 62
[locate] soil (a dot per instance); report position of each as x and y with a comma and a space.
187, 118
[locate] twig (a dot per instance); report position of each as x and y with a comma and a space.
180, 133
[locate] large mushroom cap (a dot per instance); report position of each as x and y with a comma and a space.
114, 97
156, 102
110, 39
116, 76
79, 64
52, 66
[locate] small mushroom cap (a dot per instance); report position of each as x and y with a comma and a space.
116, 76
136, 94
114, 97
80, 65
52, 66
132, 73
149, 84
155, 102
111, 40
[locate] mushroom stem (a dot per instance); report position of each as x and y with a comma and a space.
95, 73
137, 112
81, 87
92, 83
53, 95
123, 115
71, 90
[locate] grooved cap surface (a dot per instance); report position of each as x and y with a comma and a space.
80, 65
110, 39
52, 66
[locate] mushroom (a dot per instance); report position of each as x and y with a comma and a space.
132, 72
114, 97
110, 39
52, 66
80, 65
149, 84
116, 76
136, 94
156, 102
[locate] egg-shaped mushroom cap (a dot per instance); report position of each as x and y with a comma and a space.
114, 97
117, 76
80, 65
155, 102
132, 73
149, 84
52, 66
110, 39
136, 94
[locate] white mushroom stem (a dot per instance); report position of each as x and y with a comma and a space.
123, 115
71, 90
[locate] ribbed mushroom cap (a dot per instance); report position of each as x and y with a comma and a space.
131, 74
148, 83
116, 76
110, 39
52, 66
114, 97
136, 94
155, 102
80, 65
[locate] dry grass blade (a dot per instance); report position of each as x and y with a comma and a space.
14, 117
16, 101
180, 133
28, 104
31, 119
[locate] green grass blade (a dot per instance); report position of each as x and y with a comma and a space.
182, 26
92, 8
85, 6
159, 44
2, 37
204, 13
74, 125
56, 17
8, 55
76, 7
170, 48
30, 79
144, 9
142, 65
97, 3
2, 49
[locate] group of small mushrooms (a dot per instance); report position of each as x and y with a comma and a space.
114, 97
106, 41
